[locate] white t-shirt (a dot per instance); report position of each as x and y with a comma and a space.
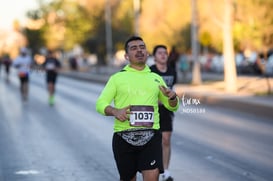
23, 63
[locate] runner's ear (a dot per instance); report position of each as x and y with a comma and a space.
126, 56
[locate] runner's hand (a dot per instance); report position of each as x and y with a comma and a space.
167, 92
122, 114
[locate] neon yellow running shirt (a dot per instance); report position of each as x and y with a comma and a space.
133, 87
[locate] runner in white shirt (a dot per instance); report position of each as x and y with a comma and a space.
23, 63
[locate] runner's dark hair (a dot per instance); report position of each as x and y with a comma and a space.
132, 38
157, 47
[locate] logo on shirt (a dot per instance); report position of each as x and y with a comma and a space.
156, 80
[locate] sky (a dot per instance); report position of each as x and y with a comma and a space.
14, 9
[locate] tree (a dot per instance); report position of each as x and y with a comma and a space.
196, 75
33, 31
69, 22
253, 26
166, 22
229, 62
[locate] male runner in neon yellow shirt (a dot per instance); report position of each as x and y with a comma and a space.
135, 92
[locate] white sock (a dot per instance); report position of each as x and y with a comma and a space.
166, 173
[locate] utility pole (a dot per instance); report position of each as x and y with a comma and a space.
108, 32
136, 15
196, 77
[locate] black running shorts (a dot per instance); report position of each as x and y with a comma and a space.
131, 159
166, 119
24, 79
51, 77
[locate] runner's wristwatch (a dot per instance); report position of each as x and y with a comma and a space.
173, 98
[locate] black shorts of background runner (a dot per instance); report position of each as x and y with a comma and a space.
51, 77
146, 157
166, 119
24, 79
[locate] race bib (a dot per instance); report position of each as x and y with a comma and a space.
50, 66
142, 116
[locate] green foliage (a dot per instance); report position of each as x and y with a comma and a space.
35, 39
69, 22
205, 38
253, 26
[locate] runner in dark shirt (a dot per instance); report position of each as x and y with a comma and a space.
169, 75
51, 66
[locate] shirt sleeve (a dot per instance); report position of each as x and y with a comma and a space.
175, 77
165, 100
44, 64
58, 63
106, 97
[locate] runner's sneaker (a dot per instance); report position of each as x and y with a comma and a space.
51, 100
168, 179
167, 175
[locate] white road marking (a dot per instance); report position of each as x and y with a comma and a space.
27, 172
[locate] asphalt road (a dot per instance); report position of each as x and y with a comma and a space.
71, 141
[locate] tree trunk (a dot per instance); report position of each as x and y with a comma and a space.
230, 75
196, 74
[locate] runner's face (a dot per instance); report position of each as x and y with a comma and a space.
161, 56
137, 53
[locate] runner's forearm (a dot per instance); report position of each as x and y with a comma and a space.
110, 111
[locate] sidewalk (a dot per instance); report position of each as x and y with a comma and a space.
211, 91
